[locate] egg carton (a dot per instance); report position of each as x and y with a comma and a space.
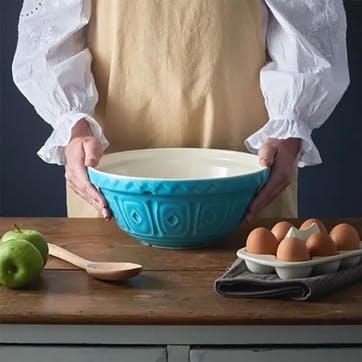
267, 264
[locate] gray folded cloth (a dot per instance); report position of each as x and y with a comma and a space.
238, 281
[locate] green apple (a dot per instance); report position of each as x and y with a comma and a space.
35, 237
20, 263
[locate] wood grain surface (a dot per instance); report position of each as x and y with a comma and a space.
175, 287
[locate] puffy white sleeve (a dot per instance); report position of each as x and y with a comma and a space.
51, 67
307, 73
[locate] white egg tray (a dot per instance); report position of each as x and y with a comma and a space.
267, 264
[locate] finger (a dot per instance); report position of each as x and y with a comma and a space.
74, 154
92, 151
77, 177
263, 199
95, 195
282, 167
80, 191
267, 153
95, 198
92, 195
276, 184
79, 182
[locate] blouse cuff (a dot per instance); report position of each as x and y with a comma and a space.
283, 129
53, 149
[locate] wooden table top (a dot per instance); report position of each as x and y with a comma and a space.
175, 286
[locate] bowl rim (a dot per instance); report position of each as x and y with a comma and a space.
165, 149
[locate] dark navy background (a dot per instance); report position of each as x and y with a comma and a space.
29, 187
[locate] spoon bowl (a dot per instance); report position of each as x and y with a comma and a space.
113, 271
101, 270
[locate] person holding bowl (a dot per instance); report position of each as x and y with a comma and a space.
114, 75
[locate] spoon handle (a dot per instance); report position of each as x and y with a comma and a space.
57, 251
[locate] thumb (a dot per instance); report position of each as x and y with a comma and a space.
267, 153
92, 151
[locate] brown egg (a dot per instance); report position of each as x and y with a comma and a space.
345, 237
292, 249
261, 241
309, 222
280, 229
320, 244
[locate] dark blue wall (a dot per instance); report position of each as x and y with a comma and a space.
29, 187
334, 188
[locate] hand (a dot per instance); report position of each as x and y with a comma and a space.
280, 155
84, 150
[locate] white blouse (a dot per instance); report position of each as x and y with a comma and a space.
303, 81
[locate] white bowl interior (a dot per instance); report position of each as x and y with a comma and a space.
179, 163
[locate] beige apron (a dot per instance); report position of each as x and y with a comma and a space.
180, 73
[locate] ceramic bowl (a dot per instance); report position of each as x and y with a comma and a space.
178, 197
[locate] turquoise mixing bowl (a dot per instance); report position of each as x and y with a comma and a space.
178, 197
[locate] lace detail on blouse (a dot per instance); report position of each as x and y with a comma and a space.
301, 85
30, 8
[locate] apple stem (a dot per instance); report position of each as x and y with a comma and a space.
17, 227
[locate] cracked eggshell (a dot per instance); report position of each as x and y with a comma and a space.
307, 223
303, 234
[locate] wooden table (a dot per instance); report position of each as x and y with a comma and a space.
170, 311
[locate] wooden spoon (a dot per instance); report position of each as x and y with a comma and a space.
99, 270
